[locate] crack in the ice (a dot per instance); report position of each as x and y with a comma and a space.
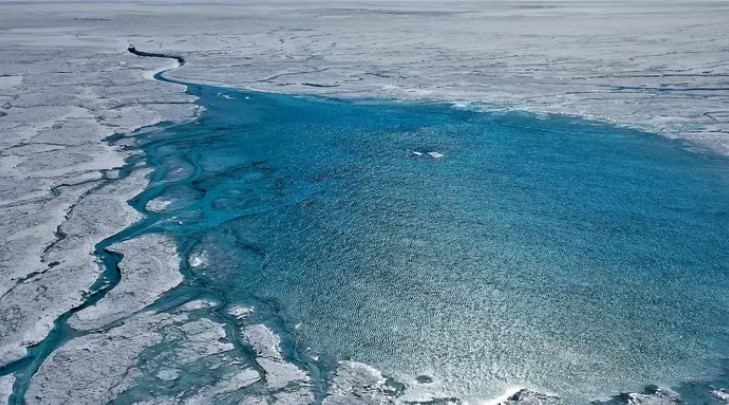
276, 76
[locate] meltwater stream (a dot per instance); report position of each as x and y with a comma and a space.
482, 250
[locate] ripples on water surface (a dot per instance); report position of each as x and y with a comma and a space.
556, 254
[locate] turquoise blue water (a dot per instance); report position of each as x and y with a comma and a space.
549, 253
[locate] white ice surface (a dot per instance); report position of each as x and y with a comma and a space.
662, 66
67, 82
150, 268
658, 65
6, 388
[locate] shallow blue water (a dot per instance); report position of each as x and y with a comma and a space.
555, 254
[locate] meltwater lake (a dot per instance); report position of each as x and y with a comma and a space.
463, 253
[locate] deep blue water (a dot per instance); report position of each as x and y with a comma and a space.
551, 253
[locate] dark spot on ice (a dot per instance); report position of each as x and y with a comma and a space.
319, 85
394, 387
133, 50
424, 379
115, 138
90, 19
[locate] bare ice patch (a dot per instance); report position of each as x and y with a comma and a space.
157, 205
198, 260
240, 311
148, 270
6, 387
7, 82
358, 383
278, 372
200, 304
431, 154
721, 394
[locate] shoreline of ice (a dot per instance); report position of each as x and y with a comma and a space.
56, 143
580, 60
358, 383
353, 381
62, 189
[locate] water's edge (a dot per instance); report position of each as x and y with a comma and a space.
109, 278
692, 390
689, 390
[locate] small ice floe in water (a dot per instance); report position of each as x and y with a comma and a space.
432, 154
314, 357
225, 96
312, 354
240, 312
721, 394
168, 375
157, 205
297, 326
198, 260
197, 305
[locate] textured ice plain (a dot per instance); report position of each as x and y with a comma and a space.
357, 383
60, 97
660, 66
657, 65
6, 387
66, 83
148, 270
75, 374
